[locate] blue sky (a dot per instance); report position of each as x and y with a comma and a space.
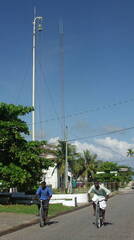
98, 70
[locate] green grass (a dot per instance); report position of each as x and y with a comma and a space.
26, 209
58, 208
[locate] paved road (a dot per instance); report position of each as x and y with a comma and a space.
79, 225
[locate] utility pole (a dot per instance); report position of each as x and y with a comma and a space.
37, 26
66, 160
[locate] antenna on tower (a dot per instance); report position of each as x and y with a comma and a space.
63, 124
36, 27
34, 12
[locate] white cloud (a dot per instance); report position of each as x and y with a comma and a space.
115, 145
53, 140
101, 153
108, 149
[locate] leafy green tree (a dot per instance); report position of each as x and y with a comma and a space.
108, 168
34, 159
108, 176
125, 176
21, 162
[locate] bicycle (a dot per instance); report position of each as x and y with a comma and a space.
43, 212
99, 214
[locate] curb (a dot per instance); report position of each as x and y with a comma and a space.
20, 226
36, 221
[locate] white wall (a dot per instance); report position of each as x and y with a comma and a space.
51, 179
70, 199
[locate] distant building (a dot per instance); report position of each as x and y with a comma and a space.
51, 175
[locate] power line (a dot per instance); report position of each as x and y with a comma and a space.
104, 107
102, 134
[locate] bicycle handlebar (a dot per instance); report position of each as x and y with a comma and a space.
101, 200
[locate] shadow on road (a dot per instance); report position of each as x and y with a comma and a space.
105, 223
52, 222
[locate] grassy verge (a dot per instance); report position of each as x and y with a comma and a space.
58, 208
53, 209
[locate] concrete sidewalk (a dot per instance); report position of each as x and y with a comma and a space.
10, 222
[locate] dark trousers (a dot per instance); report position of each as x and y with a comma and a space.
45, 204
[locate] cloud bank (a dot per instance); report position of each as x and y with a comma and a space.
107, 149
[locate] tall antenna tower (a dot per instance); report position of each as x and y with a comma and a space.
37, 27
61, 36
63, 124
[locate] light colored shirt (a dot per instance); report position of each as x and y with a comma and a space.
100, 193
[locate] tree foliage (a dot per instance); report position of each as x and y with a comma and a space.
60, 158
81, 165
130, 152
112, 173
21, 162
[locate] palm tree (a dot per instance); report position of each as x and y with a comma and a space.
60, 159
90, 165
130, 153
78, 166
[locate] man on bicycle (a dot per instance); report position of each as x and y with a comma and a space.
99, 193
44, 193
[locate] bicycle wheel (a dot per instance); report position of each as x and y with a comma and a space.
101, 216
98, 219
45, 207
41, 216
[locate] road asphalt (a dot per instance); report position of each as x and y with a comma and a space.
10, 222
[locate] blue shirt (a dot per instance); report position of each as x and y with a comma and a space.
44, 194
